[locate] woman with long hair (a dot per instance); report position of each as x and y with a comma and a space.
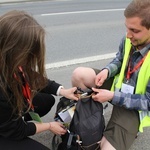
25, 91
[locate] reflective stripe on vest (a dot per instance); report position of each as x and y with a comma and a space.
142, 81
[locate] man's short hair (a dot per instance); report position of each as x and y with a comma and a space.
141, 9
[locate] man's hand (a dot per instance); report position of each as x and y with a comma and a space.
102, 95
101, 77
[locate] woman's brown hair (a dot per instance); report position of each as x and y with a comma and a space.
21, 44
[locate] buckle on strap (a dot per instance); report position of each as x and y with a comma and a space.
83, 94
71, 135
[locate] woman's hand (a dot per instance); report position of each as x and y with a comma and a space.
102, 95
101, 77
57, 128
69, 93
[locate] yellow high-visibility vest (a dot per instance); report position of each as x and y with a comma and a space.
142, 81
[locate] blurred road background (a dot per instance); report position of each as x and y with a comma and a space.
79, 33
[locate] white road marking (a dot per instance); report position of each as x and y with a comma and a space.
79, 61
79, 12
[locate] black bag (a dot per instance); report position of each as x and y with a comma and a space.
86, 127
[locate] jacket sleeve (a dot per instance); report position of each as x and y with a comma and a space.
12, 127
51, 87
133, 101
17, 129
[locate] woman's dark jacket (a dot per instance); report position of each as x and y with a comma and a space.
18, 129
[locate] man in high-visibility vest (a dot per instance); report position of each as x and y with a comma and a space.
130, 90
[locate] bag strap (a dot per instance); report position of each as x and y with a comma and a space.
71, 136
55, 142
83, 95
90, 146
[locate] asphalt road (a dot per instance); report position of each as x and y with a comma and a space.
76, 29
